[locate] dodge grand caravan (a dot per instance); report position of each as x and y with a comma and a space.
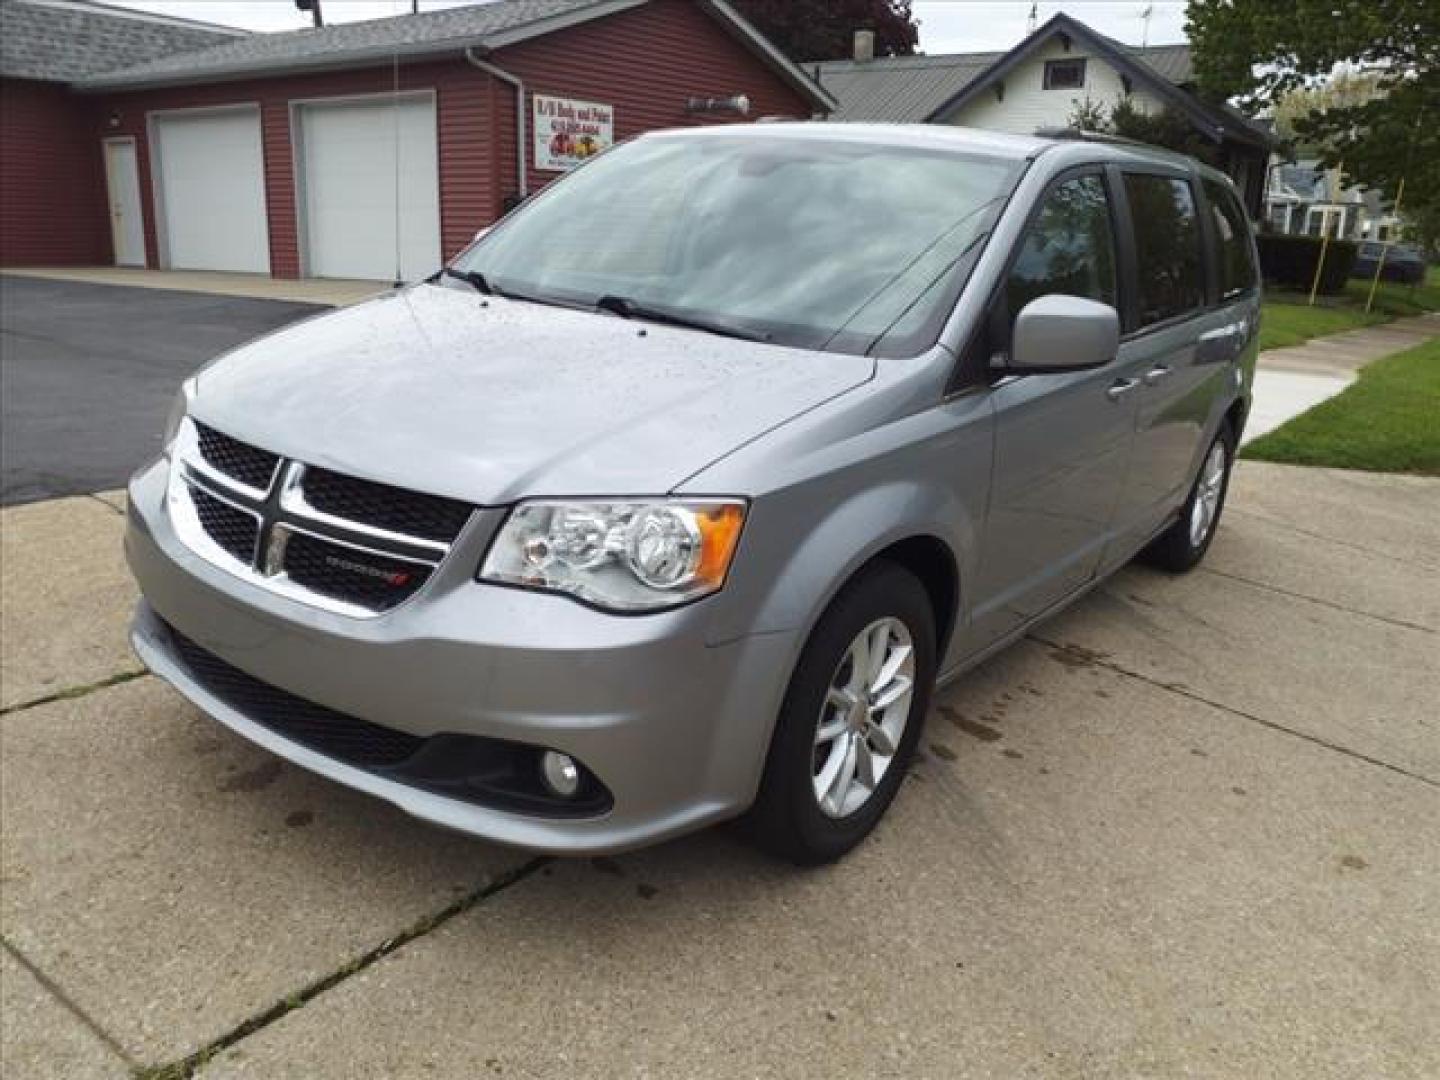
673, 496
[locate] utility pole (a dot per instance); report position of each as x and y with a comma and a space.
312, 6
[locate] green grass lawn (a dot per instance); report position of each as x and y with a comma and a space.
1387, 421
1286, 318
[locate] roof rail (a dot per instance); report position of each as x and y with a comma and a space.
1077, 135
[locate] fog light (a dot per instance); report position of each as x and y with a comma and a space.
561, 774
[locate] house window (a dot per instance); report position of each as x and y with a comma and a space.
1064, 74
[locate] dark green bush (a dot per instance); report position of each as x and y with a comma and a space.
1290, 261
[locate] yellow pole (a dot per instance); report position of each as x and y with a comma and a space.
1324, 241
1384, 250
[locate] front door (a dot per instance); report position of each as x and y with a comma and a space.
122, 178
1063, 441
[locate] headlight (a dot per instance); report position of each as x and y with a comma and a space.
178, 409
619, 554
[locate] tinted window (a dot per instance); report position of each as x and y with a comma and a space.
1167, 246
1069, 249
1232, 240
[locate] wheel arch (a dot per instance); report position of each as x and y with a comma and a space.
931, 561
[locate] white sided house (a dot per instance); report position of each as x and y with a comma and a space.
1040, 85
1045, 89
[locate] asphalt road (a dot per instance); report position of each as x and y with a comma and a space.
88, 372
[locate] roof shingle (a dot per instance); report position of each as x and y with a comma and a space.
349, 43
65, 40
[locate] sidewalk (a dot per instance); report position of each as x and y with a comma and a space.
1294, 379
336, 293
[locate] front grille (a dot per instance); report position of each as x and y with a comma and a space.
346, 738
430, 517
358, 577
240, 461
352, 546
233, 530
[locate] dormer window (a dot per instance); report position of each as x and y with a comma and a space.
1064, 74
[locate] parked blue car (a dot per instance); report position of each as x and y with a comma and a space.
1402, 263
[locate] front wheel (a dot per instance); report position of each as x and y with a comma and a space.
1184, 544
851, 717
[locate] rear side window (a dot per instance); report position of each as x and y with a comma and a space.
1232, 239
1069, 249
1167, 246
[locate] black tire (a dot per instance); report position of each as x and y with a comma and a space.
786, 819
1176, 549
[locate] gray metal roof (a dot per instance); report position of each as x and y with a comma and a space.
898, 89
910, 88
65, 40
1171, 62
345, 44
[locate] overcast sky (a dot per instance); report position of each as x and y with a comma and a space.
945, 25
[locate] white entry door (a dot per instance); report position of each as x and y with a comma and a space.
122, 179
371, 180
211, 191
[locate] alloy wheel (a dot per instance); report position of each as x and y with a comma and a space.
862, 721
1205, 507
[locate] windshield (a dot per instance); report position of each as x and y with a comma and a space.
799, 241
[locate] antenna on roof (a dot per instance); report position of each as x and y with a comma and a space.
1034, 19
1145, 18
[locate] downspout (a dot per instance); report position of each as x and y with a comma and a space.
520, 134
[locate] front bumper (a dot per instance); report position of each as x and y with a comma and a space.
674, 727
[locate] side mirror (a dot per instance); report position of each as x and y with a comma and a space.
1063, 333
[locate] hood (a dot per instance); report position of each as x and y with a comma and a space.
489, 400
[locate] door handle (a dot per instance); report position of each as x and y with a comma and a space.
1156, 374
1120, 387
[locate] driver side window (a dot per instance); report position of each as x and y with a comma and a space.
1069, 249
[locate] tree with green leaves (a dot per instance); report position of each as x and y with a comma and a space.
825, 29
1166, 128
1258, 51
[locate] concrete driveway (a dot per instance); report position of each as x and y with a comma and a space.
89, 371
1190, 828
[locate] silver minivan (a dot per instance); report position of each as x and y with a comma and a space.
674, 496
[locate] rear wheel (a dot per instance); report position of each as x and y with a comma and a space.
1184, 544
851, 717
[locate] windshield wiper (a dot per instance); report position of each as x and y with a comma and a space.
486, 287
631, 309
473, 278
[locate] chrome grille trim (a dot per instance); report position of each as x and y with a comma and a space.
293, 501
279, 512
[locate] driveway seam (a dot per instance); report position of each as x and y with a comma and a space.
1430, 567
1088, 656
118, 679
1321, 601
186, 1067
55, 991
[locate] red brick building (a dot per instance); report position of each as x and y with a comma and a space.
362, 150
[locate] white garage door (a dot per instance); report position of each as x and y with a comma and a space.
212, 191
355, 155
